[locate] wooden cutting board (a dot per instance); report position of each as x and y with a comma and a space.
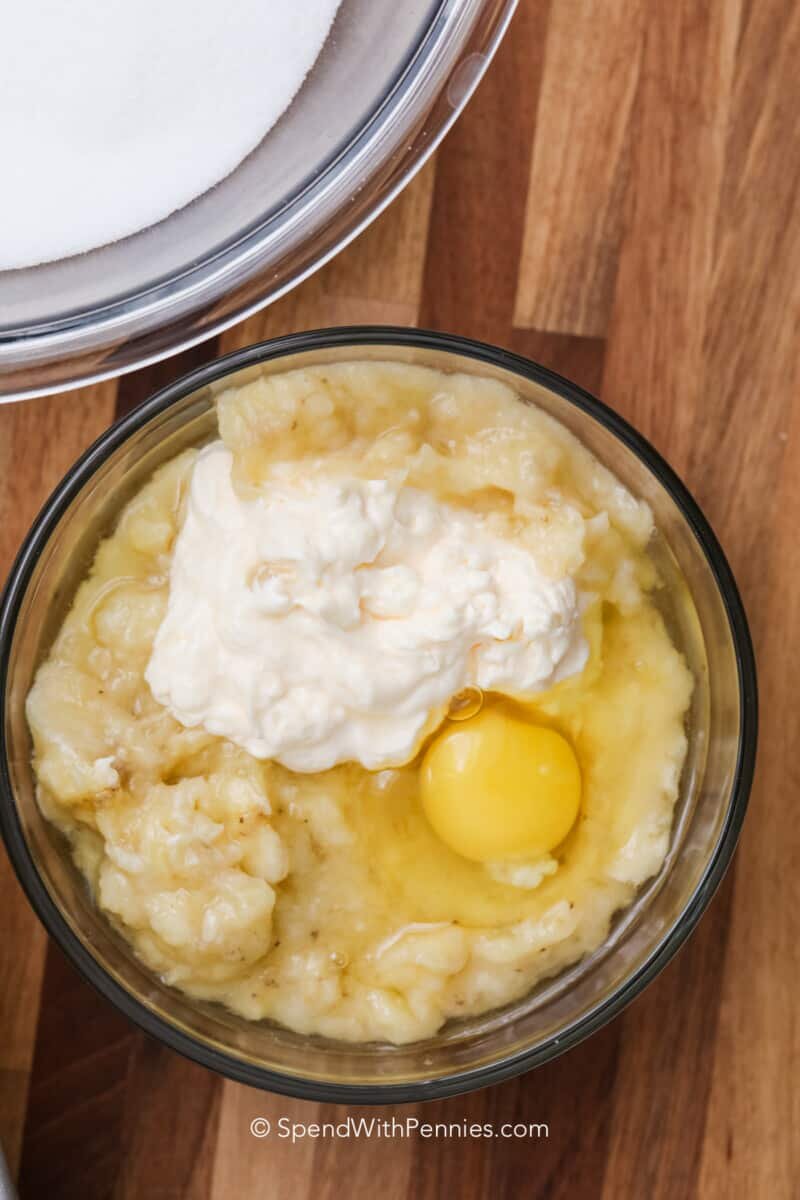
621, 201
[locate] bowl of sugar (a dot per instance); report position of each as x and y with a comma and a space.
184, 164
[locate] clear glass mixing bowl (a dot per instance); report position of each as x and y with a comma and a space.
388, 84
705, 616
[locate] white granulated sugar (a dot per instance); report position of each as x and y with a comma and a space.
115, 113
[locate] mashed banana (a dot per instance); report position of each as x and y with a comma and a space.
325, 901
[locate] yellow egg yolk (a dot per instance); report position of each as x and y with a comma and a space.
496, 787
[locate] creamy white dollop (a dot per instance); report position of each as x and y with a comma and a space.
329, 620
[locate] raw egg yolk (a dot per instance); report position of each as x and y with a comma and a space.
495, 787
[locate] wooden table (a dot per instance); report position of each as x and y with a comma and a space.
621, 201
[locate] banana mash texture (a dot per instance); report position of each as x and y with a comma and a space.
324, 900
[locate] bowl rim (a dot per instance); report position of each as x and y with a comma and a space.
363, 174
670, 942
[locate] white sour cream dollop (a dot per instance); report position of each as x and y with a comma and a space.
330, 620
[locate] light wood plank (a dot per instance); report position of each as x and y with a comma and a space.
365, 1166
271, 1168
654, 360
297, 1162
580, 166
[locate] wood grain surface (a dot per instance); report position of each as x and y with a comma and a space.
621, 201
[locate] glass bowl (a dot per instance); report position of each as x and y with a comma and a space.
705, 616
388, 84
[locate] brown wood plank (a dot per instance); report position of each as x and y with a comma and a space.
654, 368
137, 387
577, 358
656, 338
580, 163
706, 285
376, 281
475, 232
38, 441
657, 1111
169, 1126
751, 1145
77, 1092
565, 1162
750, 478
